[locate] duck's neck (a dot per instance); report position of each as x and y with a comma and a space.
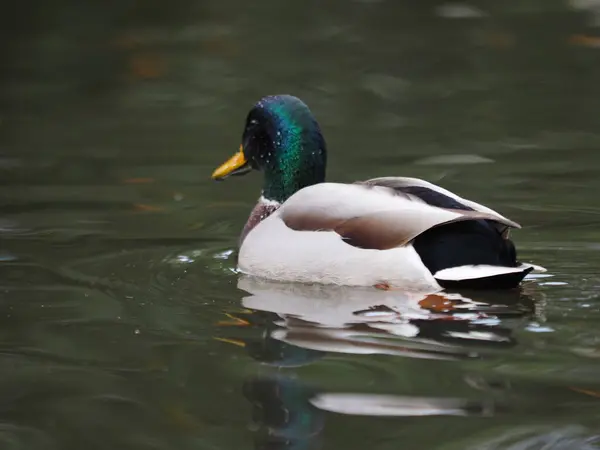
278, 190
292, 169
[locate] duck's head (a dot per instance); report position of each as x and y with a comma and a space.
283, 139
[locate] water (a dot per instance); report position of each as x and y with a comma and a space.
124, 324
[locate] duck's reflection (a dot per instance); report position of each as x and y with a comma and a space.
369, 321
301, 323
282, 412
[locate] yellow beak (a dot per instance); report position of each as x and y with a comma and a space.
233, 164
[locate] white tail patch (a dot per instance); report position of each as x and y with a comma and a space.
476, 272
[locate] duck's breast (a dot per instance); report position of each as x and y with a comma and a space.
260, 212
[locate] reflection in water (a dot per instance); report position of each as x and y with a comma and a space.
299, 324
283, 415
368, 321
396, 405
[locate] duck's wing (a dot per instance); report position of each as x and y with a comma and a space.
437, 196
372, 216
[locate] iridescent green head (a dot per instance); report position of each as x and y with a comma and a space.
283, 139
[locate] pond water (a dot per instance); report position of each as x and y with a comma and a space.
123, 322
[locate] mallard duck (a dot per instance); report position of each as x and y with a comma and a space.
390, 232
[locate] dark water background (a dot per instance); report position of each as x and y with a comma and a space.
122, 325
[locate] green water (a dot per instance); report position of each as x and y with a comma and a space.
123, 322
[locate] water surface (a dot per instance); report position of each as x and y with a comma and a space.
124, 324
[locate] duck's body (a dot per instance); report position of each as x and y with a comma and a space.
369, 234
392, 232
